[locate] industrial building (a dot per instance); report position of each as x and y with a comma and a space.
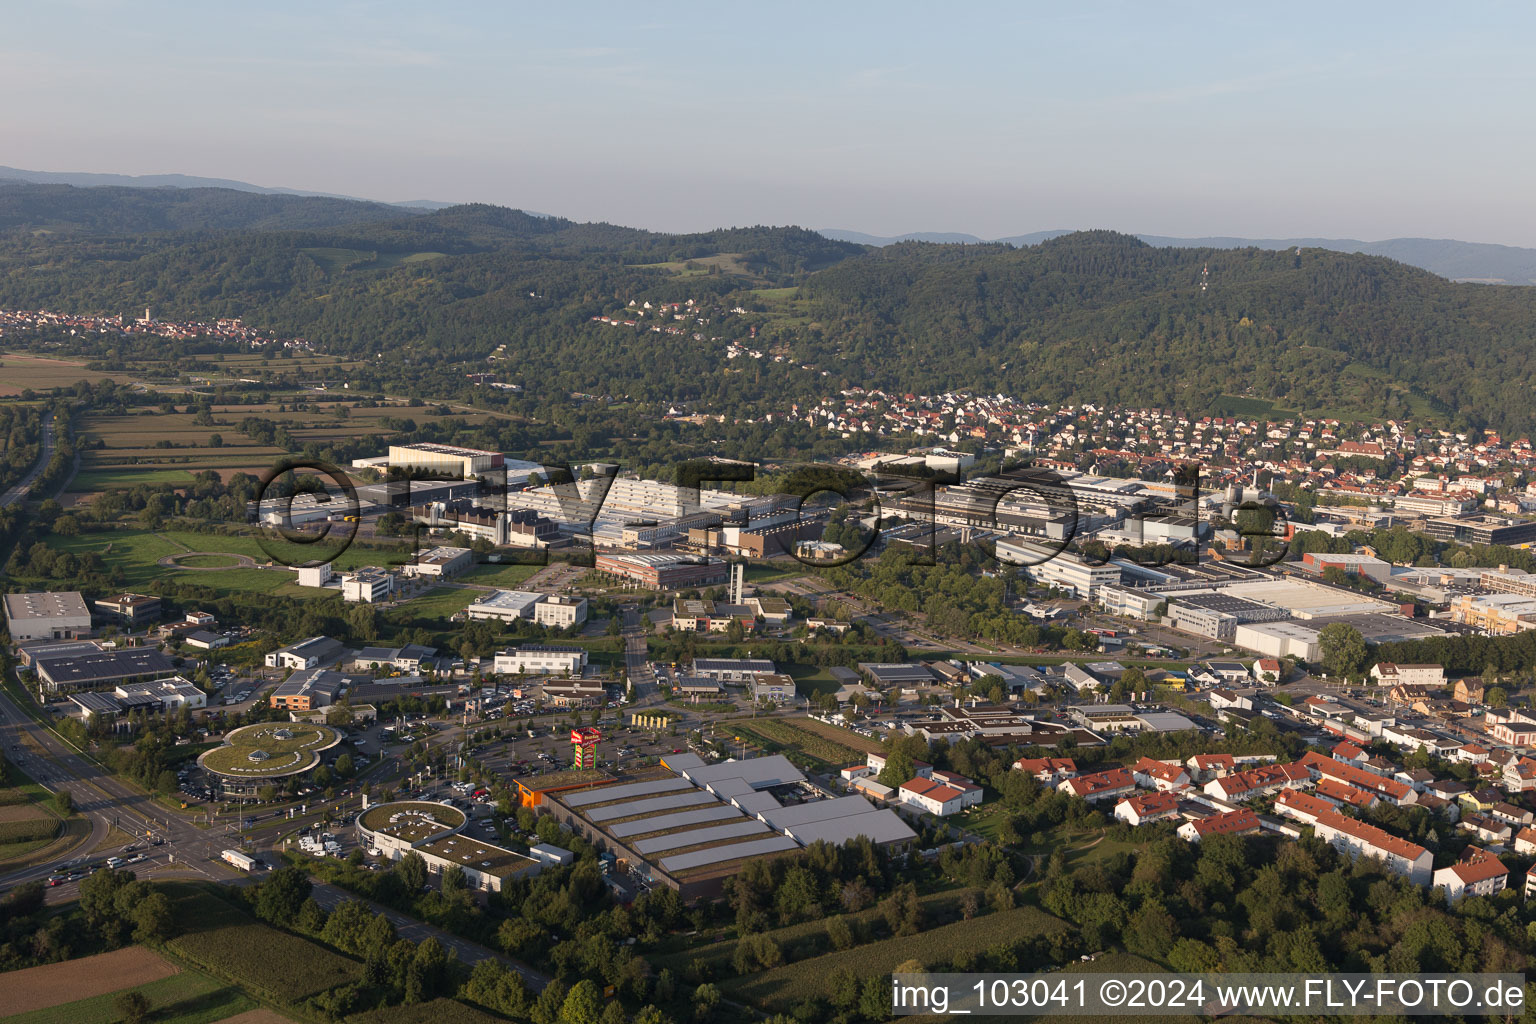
440, 563
98, 667
690, 825
315, 651
664, 571
1483, 529
504, 606
445, 459
47, 616
308, 689
541, 659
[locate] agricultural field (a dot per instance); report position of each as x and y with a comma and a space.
22, 370
782, 735
779, 989
25, 825
150, 446
289, 970
53, 985
188, 997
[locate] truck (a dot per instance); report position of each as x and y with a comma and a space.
240, 860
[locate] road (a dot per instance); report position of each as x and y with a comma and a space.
24, 486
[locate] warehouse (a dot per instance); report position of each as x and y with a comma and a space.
56, 616
445, 459
308, 689
99, 668
690, 824
441, 563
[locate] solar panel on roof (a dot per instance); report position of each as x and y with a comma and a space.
603, 794
733, 851
693, 837
758, 772
670, 802
669, 821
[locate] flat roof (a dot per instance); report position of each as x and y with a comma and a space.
758, 772
732, 851
482, 857
878, 825
663, 822
817, 810
626, 791
512, 599
46, 605
695, 837
99, 666
630, 808
412, 821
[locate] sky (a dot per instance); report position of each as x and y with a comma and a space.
1352, 120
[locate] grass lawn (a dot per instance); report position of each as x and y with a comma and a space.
190, 997
432, 609
810, 680
493, 575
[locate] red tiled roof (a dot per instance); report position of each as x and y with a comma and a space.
1232, 821
1371, 835
1479, 868
1099, 782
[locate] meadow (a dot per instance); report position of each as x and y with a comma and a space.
22, 370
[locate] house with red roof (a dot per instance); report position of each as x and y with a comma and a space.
1108, 785
1477, 873
1146, 807
1049, 770
1257, 782
1342, 794
1304, 807
1241, 822
1153, 774
930, 795
1358, 839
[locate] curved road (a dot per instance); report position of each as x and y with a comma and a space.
24, 486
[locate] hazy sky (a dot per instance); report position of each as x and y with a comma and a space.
1337, 119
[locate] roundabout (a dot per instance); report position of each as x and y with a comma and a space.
210, 561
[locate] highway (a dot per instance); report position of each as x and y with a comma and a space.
24, 486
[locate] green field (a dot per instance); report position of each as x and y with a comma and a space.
507, 576
810, 680
190, 997
137, 552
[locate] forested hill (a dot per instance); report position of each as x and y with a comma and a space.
68, 209
1090, 316
1104, 315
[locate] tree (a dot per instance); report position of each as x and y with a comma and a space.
64, 802
412, 870
583, 1004
363, 621
152, 918
133, 1006
282, 895
1344, 650
898, 769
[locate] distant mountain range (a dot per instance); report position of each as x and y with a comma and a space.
87, 180
1459, 261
